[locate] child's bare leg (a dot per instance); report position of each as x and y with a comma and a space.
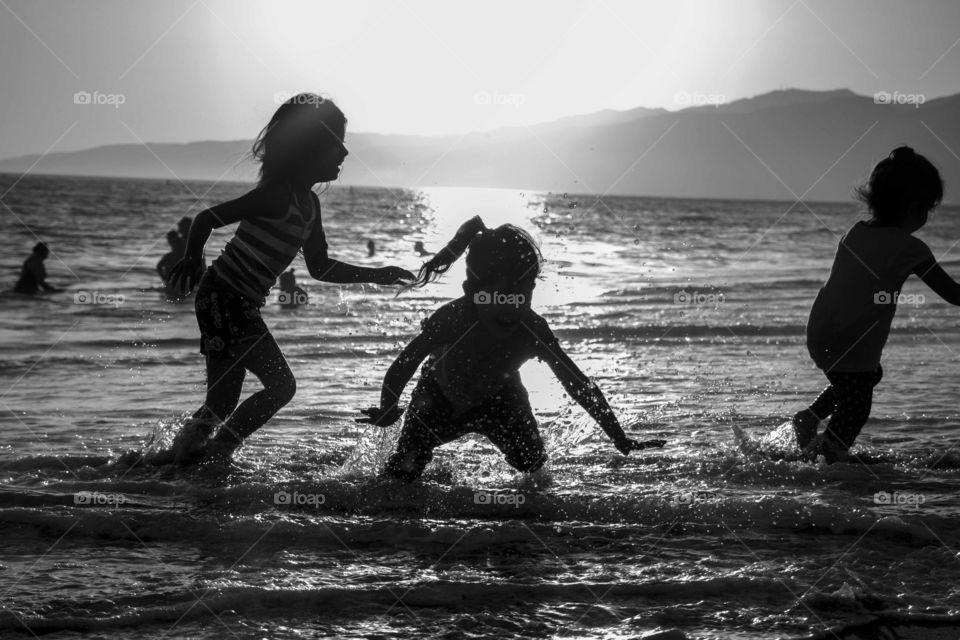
224, 384
428, 423
265, 360
509, 423
805, 422
854, 400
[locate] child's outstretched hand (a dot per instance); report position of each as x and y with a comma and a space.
393, 275
627, 445
185, 275
379, 417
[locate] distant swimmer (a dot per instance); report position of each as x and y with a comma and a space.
291, 295
171, 257
183, 230
420, 249
33, 275
371, 248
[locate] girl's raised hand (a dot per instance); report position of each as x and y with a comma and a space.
185, 274
379, 417
627, 445
394, 275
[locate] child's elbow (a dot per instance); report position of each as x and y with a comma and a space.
319, 269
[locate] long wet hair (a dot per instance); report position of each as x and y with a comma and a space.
902, 180
492, 254
301, 125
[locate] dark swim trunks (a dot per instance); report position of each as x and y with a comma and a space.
230, 323
505, 419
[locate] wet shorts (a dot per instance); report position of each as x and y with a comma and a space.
229, 321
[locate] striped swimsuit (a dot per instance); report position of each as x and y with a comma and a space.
262, 249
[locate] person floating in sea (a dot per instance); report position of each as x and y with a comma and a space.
850, 319
291, 294
302, 145
33, 275
474, 348
183, 230
169, 259
371, 248
420, 249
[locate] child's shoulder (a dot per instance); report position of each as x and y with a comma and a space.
885, 235
448, 315
272, 199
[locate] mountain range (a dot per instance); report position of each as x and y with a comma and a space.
782, 145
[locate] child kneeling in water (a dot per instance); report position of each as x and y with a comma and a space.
851, 316
476, 345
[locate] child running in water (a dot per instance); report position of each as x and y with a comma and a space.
476, 344
851, 316
301, 146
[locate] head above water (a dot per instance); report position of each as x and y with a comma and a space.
174, 239
303, 142
902, 189
504, 256
183, 226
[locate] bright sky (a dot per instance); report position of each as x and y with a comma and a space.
190, 70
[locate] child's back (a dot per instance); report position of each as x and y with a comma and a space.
471, 365
851, 316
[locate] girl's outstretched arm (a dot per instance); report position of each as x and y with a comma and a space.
324, 268
261, 202
398, 375
939, 280
585, 391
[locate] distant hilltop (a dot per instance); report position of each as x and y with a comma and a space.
780, 145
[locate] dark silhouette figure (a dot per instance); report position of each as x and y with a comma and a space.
476, 345
420, 249
371, 248
33, 275
171, 257
183, 230
291, 295
850, 319
301, 146
177, 238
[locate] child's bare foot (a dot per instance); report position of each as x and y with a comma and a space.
222, 447
805, 425
188, 446
833, 452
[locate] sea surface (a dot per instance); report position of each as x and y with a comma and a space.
689, 314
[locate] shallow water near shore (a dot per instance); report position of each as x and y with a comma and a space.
689, 314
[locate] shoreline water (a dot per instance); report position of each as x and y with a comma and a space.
701, 537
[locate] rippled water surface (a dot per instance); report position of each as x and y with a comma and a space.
689, 315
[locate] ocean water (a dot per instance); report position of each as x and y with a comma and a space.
689, 314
